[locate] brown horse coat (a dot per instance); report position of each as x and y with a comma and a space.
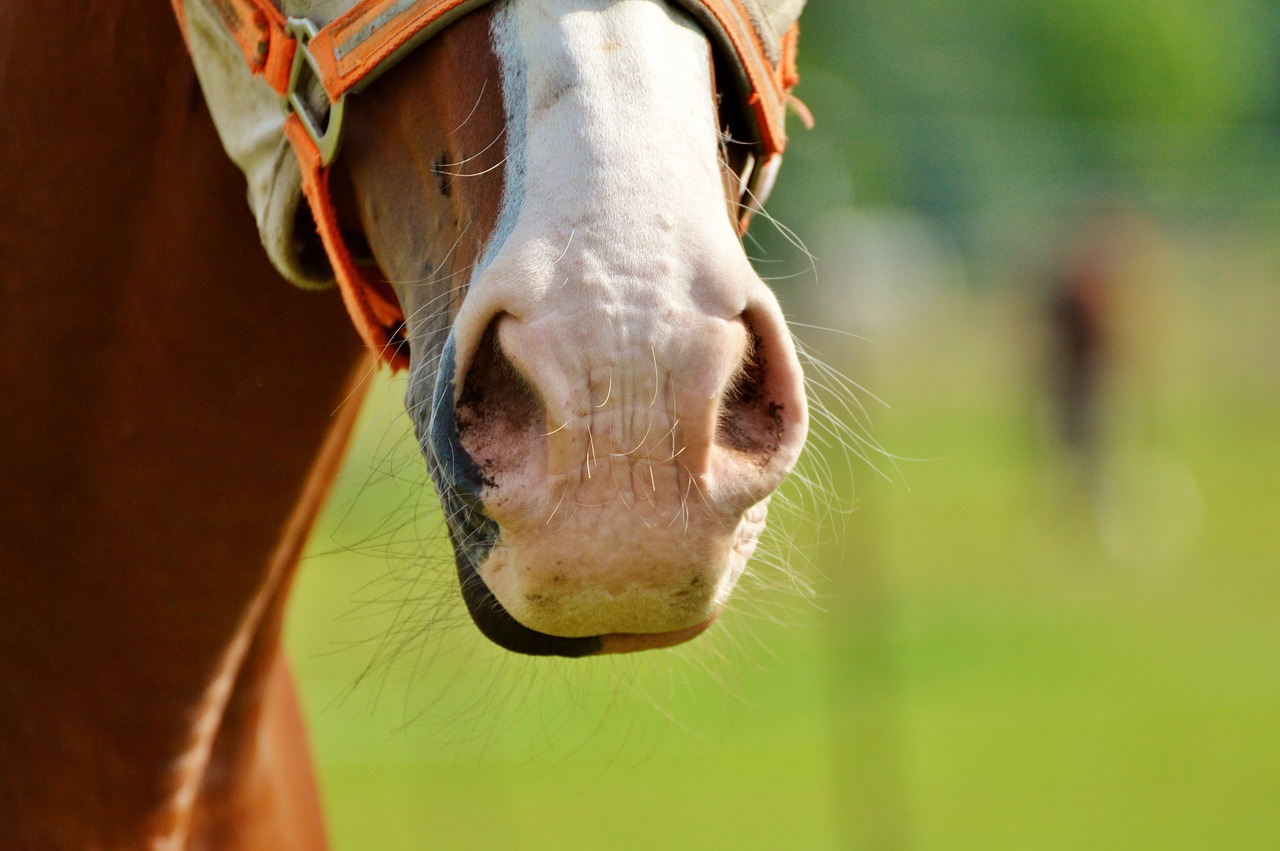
173, 412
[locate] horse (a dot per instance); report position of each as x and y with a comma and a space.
544, 199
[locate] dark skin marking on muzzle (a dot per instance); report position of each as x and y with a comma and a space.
459, 481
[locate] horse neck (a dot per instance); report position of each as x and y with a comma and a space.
173, 395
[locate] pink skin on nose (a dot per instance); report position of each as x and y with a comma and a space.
628, 479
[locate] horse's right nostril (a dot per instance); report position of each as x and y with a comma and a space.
498, 413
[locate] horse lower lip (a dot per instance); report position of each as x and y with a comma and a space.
500, 627
632, 643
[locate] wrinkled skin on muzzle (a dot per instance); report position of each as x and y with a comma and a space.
603, 389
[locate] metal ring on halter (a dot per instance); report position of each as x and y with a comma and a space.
327, 140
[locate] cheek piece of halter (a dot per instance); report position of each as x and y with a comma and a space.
353, 49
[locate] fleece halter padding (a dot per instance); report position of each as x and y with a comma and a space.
253, 64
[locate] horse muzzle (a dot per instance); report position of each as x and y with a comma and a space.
606, 496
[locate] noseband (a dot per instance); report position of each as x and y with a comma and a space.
292, 55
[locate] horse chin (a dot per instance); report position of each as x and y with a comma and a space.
497, 624
621, 599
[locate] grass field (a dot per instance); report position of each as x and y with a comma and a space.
982, 664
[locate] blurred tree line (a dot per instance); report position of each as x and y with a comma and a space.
984, 114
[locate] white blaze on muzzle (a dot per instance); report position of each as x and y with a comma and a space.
276, 83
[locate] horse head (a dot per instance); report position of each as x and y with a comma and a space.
604, 390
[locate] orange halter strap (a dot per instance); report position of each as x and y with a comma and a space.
352, 50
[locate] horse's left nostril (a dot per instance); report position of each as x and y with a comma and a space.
762, 407
749, 422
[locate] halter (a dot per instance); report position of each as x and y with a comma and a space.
351, 51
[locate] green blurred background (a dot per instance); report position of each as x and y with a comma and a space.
954, 639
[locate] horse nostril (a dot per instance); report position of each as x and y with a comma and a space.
497, 411
753, 410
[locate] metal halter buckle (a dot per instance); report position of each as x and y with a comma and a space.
327, 140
